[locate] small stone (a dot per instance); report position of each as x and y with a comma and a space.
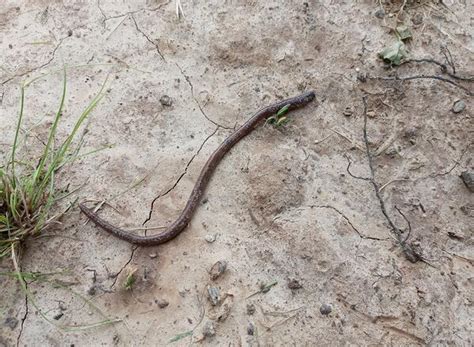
371, 114
459, 106
162, 303
218, 269
165, 100
391, 151
209, 330
348, 111
456, 235
91, 290
468, 179
69, 32
410, 132
250, 309
250, 329
294, 284
362, 76
11, 322
214, 295
152, 255
380, 13
325, 309
116, 339
58, 316
468, 210
210, 238
417, 19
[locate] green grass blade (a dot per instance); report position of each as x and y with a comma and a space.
17, 130
52, 133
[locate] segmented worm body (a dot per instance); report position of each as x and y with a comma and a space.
184, 218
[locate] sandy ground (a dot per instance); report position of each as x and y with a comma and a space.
282, 208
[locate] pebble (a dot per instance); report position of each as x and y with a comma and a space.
411, 132
152, 255
371, 114
459, 106
165, 100
468, 179
91, 290
380, 13
348, 111
210, 238
162, 303
250, 329
58, 316
391, 151
325, 309
214, 295
250, 309
218, 269
418, 19
294, 284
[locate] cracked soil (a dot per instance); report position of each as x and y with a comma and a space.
282, 209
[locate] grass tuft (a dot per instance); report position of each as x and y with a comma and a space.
28, 192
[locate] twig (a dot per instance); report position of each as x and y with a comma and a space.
401, 9
435, 77
347, 138
444, 68
449, 58
410, 254
408, 223
349, 163
392, 181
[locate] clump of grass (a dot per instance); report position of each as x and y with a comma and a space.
28, 192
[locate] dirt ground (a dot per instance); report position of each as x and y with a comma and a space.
282, 209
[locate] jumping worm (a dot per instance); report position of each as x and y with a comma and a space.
185, 217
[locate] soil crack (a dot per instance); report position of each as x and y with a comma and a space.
180, 176
188, 80
53, 54
361, 235
124, 266
25, 316
148, 38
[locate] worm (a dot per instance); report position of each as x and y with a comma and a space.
186, 215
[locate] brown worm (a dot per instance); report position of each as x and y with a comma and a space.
185, 217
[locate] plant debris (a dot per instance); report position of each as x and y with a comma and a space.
404, 32
394, 54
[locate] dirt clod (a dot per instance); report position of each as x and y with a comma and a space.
218, 269
162, 303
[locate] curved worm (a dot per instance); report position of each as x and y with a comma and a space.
185, 217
